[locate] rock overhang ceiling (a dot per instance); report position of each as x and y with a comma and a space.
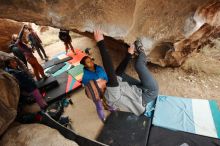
156, 21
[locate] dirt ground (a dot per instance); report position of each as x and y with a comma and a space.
172, 81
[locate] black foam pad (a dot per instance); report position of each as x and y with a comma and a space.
47, 84
55, 68
59, 91
49, 63
55, 61
125, 129
62, 60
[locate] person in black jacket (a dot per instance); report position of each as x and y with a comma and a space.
37, 43
26, 83
65, 37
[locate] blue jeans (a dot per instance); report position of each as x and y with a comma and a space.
147, 83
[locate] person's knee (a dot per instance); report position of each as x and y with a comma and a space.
155, 92
152, 91
156, 88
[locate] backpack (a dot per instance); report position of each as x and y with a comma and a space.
64, 36
94, 93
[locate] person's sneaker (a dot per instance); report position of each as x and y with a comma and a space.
139, 46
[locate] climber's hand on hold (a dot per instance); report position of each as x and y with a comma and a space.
98, 35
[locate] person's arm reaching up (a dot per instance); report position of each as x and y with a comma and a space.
20, 35
107, 62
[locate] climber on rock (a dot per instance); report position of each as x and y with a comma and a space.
122, 91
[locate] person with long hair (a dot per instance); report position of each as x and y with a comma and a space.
27, 51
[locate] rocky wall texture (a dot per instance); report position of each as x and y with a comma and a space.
207, 28
8, 101
7, 28
173, 21
125, 19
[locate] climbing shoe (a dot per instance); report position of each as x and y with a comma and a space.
138, 46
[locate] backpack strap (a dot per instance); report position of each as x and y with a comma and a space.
92, 91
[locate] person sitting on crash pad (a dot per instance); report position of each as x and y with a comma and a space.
26, 82
66, 38
121, 91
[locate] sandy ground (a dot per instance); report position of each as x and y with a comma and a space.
171, 81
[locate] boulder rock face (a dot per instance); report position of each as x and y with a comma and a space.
206, 29
173, 21
176, 55
7, 28
9, 100
9, 92
34, 135
125, 19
